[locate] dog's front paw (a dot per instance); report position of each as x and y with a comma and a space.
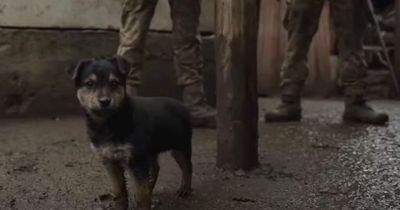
184, 192
155, 203
120, 203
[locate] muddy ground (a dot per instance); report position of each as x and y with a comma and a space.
320, 163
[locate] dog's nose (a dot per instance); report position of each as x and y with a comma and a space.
104, 101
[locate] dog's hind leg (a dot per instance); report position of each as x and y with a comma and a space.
185, 164
154, 170
116, 173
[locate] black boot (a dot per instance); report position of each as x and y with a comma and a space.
203, 115
288, 110
359, 111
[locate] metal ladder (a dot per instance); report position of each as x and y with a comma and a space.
383, 51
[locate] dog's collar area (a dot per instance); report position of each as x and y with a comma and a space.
120, 122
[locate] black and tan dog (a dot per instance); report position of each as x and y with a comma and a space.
128, 133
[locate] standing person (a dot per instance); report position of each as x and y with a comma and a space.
350, 21
188, 58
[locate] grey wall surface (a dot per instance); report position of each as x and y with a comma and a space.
98, 14
40, 38
33, 80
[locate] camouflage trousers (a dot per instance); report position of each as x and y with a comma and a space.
136, 19
350, 21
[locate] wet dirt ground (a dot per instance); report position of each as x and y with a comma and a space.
320, 163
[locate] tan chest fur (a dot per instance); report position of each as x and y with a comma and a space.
114, 152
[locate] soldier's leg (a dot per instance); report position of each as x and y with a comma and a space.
301, 21
351, 66
135, 22
188, 60
350, 20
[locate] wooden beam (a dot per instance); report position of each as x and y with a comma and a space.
397, 43
236, 61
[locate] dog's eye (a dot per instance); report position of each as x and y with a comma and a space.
115, 83
89, 84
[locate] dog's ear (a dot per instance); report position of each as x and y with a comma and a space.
75, 70
121, 64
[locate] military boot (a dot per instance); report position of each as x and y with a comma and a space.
359, 111
133, 83
203, 115
288, 110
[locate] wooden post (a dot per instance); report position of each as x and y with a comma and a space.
397, 42
236, 61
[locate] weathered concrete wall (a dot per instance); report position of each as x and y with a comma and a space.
98, 14
32, 68
32, 62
